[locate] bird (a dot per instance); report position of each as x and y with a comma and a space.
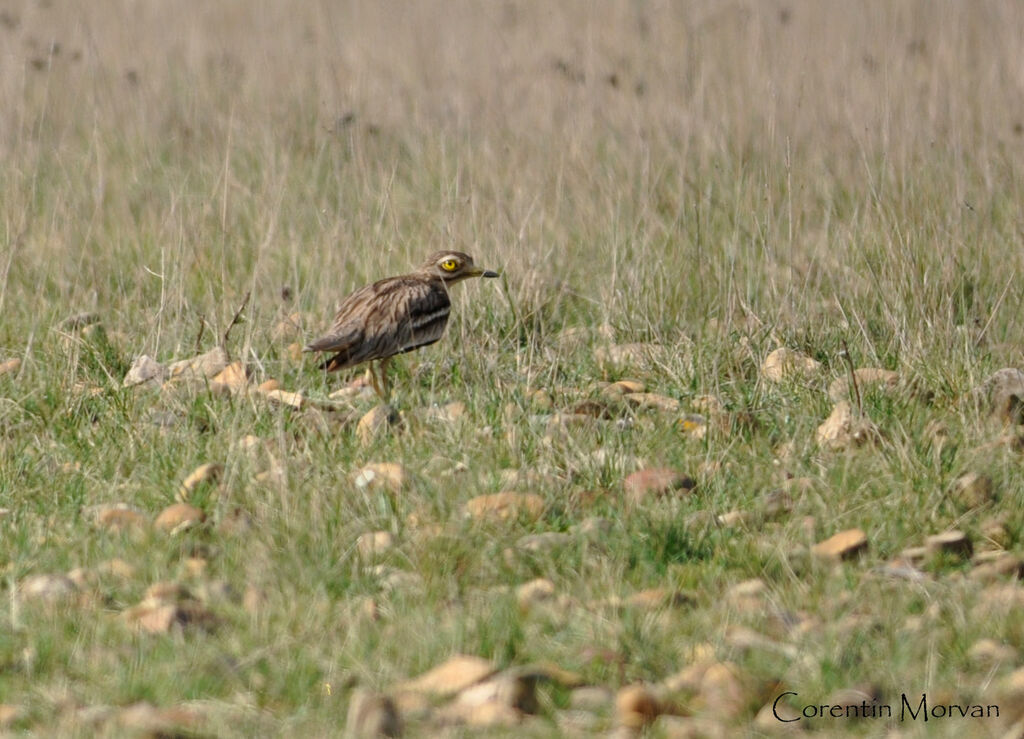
395, 315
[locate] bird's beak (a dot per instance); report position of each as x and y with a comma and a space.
481, 272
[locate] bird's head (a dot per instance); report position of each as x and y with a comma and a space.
453, 266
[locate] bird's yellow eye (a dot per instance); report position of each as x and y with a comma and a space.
449, 265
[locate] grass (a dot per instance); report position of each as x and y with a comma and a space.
719, 180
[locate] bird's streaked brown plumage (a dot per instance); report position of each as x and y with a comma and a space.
396, 314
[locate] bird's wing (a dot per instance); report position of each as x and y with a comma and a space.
389, 317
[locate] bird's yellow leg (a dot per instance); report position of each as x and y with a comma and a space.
385, 385
376, 384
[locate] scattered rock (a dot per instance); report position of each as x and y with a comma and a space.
644, 401
234, 377
143, 719
539, 400
10, 715
973, 490
10, 366
499, 701
594, 527
205, 473
638, 354
388, 475
201, 367
693, 424
722, 690
120, 518
374, 543
166, 607
636, 706
989, 651
285, 398
372, 715
595, 698
950, 542
451, 677
376, 422
254, 600
178, 517
654, 482
624, 387
656, 598
117, 567
1005, 393
1002, 565
783, 363
544, 542
51, 589
505, 505
842, 430
843, 545
291, 328
144, 370
867, 377
995, 533
451, 412
535, 591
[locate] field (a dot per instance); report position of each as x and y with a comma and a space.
672, 192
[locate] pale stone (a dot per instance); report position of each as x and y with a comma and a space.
285, 398
145, 369
842, 429
951, 542
783, 363
48, 588
505, 505
867, 378
653, 401
163, 618
636, 706
390, 475
374, 423
117, 567
119, 518
1005, 394
973, 490
234, 377
374, 543
372, 715
10, 366
178, 517
535, 591
451, 677
843, 545
655, 482
987, 651
544, 542
202, 366
209, 472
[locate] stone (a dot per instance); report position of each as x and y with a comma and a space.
452, 412
623, 387
539, 400
995, 533
10, 715
544, 542
78, 321
505, 506
867, 378
178, 517
844, 545
201, 367
656, 598
594, 527
1004, 391
989, 651
636, 706
10, 366
950, 542
254, 600
389, 475
285, 398
709, 405
842, 429
533, 592
595, 698
973, 490
234, 377
1001, 565
144, 719
267, 385
376, 422
451, 677
722, 690
374, 543
638, 354
693, 425
145, 370
50, 589
372, 715
290, 328
655, 482
209, 472
644, 401
120, 518
156, 616
787, 363
117, 567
